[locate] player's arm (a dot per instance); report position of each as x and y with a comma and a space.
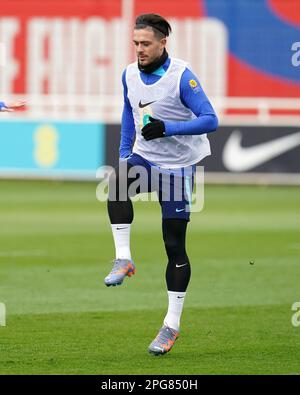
193, 97
8, 107
127, 127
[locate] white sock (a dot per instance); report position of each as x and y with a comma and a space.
121, 234
176, 300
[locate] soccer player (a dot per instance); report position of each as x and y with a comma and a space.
11, 106
165, 119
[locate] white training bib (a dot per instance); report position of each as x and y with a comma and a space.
161, 100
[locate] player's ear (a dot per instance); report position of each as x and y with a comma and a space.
163, 42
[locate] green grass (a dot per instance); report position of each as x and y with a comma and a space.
55, 250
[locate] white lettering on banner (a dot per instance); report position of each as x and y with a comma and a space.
71, 56
120, 48
96, 56
64, 63
9, 28
203, 43
37, 64
2, 55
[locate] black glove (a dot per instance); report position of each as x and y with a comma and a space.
154, 129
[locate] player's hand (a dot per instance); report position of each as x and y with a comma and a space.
9, 107
154, 129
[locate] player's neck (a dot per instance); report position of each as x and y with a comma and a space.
149, 68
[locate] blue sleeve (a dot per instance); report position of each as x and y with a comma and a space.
2, 105
127, 127
193, 97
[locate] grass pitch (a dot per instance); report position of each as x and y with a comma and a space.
55, 250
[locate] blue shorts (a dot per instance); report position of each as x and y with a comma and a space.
173, 186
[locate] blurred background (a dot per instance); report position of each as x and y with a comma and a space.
66, 59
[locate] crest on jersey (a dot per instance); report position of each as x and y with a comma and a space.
194, 85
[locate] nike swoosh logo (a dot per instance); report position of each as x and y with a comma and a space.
122, 228
238, 158
180, 297
181, 265
146, 104
178, 210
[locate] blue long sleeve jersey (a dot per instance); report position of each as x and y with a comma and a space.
192, 96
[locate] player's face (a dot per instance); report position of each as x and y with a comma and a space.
148, 47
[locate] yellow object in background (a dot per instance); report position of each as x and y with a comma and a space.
46, 145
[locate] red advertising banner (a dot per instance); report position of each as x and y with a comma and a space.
80, 47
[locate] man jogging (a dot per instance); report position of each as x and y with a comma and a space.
165, 119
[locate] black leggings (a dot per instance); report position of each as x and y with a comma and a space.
178, 271
174, 233
120, 211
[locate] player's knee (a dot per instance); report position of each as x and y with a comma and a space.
171, 244
175, 249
